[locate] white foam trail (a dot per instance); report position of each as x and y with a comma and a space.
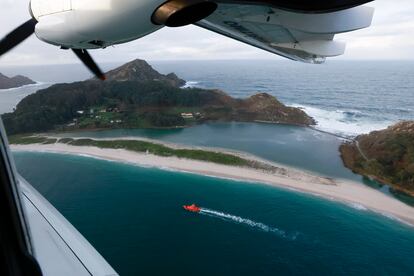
246, 221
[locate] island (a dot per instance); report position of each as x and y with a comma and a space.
137, 96
386, 156
14, 82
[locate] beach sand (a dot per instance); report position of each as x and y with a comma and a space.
355, 194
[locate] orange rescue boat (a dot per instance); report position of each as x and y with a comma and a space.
192, 208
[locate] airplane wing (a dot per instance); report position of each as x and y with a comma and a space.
35, 239
306, 37
58, 247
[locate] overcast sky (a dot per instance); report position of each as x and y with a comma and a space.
390, 37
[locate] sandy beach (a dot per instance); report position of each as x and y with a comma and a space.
355, 194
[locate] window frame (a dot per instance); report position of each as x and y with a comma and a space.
16, 252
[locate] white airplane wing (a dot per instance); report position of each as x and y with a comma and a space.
58, 247
306, 37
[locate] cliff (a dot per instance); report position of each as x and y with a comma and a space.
386, 155
137, 96
16, 81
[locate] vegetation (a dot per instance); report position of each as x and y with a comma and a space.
161, 150
390, 156
131, 100
65, 140
140, 146
26, 140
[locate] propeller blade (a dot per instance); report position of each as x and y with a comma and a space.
84, 56
17, 36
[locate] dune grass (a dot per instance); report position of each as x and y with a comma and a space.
140, 146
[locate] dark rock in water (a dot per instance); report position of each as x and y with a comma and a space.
386, 155
136, 96
17, 81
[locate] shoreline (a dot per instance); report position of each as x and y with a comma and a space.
241, 154
24, 86
351, 193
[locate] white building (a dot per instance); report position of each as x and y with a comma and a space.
187, 115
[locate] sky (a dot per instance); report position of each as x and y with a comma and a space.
390, 37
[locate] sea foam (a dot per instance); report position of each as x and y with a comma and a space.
343, 122
190, 84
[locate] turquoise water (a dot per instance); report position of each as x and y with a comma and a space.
133, 216
290, 145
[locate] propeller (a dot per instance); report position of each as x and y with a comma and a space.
86, 58
17, 36
25, 30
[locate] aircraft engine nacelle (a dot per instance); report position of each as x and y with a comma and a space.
89, 24
176, 13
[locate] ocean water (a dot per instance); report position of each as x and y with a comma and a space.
9, 98
133, 217
345, 97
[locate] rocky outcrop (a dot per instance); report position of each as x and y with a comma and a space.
16, 81
265, 107
260, 107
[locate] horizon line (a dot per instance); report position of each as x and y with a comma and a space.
209, 60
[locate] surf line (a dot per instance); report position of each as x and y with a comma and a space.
245, 221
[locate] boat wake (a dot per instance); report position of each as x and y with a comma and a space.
248, 222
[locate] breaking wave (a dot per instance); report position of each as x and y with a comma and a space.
190, 84
358, 206
34, 85
248, 222
343, 122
